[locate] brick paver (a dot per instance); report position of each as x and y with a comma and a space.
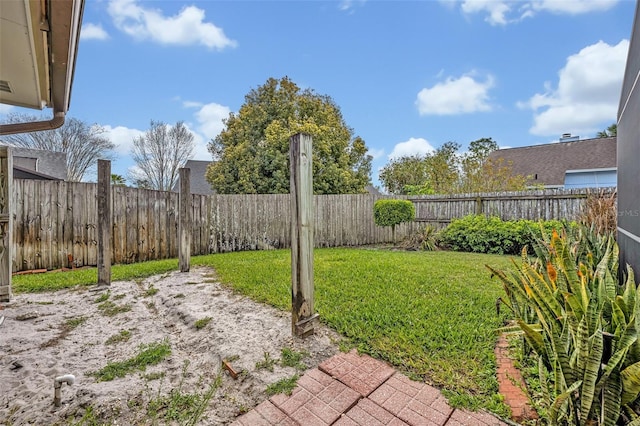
416, 403
510, 384
476, 418
317, 400
265, 414
327, 397
360, 372
368, 413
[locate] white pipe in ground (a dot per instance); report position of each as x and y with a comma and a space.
57, 384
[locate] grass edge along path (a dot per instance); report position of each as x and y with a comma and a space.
430, 314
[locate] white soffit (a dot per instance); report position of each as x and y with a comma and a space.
22, 64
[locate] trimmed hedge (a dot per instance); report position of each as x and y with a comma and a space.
482, 234
393, 212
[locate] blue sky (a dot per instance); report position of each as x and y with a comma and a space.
407, 75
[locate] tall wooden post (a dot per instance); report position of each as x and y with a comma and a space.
104, 222
303, 316
6, 222
184, 221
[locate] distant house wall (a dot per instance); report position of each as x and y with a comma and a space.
49, 163
595, 178
547, 164
197, 179
629, 156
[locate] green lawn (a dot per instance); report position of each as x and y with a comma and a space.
430, 314
52, 281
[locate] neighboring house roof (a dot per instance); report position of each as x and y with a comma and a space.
547, 164
50, 164
22, 173
199, 184
372, 190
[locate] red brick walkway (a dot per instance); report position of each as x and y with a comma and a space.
357, 390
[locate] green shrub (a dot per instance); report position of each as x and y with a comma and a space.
392, 213
582, 325
490, 234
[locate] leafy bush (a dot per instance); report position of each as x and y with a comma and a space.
483, 234
392, 213
582, 325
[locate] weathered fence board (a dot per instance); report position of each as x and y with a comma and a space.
55, 220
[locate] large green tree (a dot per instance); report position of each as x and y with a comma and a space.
403, 172
432, 173
251, 155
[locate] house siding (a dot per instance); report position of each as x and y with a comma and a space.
590, 179
50, 163
629, 156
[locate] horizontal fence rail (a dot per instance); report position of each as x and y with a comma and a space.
533, 205
55, 222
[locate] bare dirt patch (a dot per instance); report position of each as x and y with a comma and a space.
80, 331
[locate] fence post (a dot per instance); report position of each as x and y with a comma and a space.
6, 222
184, 221
479, 209
104, 222
303, 317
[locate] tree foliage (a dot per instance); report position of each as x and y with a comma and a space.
159, 153
118, 180
252, 153
610, 131
446, 171
392, 213
84, 144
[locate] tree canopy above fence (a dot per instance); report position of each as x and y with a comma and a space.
252, 151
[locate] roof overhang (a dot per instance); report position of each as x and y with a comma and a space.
604, 169
38, 49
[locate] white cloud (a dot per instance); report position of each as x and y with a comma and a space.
572, 7
503, 12
185, 28
192, 104
455, 96
376, 153
349, 5
91, 31
414, 146
587, 94
122, 137
211, 117
200, 150
496, 10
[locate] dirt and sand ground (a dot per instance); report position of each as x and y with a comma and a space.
47, 335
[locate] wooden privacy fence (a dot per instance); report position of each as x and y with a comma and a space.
533, 205
55, 223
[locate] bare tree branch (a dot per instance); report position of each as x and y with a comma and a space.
160, 152
84, 144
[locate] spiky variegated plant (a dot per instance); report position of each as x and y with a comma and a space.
582, 325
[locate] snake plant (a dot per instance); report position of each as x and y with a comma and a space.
582, 324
